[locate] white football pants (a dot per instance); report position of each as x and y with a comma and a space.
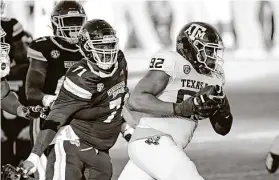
164, 161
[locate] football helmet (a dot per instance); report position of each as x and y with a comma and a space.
67, 18
98, 43
4, 55
201, 44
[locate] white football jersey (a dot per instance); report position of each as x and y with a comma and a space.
184, 82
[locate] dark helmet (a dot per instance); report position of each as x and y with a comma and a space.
201, 44
98, 43
67, 18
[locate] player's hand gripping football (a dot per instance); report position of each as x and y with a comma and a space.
29, 166
208, 100
204, 103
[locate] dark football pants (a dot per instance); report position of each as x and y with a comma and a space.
68, 161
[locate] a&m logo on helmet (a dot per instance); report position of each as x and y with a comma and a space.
195, 31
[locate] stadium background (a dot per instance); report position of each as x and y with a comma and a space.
250, 30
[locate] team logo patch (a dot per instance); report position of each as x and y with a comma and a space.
100, 87
153, 140
186, 69
55, 54
3, 66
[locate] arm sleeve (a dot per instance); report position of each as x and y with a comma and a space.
222, 120
36, 73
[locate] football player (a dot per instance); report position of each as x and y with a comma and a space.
18, 68
85, 119
179, 89
50, 57
9, 101
272, 159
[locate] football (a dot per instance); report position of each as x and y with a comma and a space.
210, 90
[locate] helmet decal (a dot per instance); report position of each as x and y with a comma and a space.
195, 31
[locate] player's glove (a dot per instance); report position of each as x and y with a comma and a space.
48, 100
29, 112
208, 101
44, 112
204, 104
29, 166
9, 172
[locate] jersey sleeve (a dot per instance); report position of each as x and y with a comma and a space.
36, 49
163, 61
80, 82
17, 30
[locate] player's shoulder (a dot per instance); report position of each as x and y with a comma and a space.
40, 43
165, 54
38, 48
82, 70
10, 21
163, 60
11, 25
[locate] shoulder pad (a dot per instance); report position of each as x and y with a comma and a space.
163, 61
17, 28
37, 48
80, 81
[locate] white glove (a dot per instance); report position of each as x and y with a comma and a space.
29, 166
48, 100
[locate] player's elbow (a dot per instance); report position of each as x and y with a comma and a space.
136, 103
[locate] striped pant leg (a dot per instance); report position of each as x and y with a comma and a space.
64, 163
35, 127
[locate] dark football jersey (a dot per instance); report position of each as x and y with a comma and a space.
59, 55
14, 32
84, 88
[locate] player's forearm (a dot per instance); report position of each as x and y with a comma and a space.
10, 103
44, 138
34, 95
34, 86
148, 103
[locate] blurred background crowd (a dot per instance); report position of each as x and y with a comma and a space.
250, 31
150, 25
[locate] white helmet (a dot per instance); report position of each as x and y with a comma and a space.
4, 55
